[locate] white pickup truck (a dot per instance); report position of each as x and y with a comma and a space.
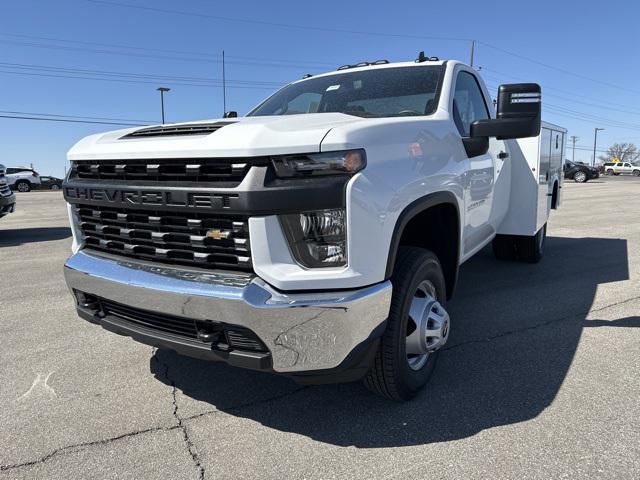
319, 236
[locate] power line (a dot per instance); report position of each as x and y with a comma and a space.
274, 24
132, 75
552, 67
162, 57
160, 50
23, 117
122, 80
84, 117
360, 32
584, 116
605, 103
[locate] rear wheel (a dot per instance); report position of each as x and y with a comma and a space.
23, 186
505, 247
55, 186
580, 177
418, 325
636, 173
531, 249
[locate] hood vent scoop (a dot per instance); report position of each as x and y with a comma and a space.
176, 130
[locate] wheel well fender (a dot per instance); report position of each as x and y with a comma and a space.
439, 208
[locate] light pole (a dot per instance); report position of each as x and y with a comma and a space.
573, 155
162, 90
595, 142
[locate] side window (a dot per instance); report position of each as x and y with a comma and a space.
468, 103
11, 170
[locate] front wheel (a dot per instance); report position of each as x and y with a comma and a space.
417, 327
580, 177
610, 172
55, 186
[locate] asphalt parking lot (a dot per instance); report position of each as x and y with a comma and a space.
540, 379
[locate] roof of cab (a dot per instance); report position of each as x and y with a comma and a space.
372, 66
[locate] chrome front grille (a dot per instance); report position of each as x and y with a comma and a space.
218, 172
5, 190
209, 240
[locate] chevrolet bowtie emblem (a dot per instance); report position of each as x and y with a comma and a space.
218, 234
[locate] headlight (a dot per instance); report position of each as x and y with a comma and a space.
317, 238
314, 164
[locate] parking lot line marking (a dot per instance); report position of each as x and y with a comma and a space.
39, 381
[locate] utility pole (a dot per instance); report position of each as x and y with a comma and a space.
162, 90
595, 142
573, 156
473, 50
224, 87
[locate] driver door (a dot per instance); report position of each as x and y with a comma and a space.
481, 179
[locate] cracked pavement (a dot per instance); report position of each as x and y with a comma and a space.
540, 377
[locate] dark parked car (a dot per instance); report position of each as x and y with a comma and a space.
579, 173
50, 183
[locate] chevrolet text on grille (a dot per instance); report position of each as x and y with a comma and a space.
142, 197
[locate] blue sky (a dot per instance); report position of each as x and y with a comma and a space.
585, 58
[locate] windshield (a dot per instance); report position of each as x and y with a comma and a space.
381, 92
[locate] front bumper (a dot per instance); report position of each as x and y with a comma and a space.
303, 332
7, 204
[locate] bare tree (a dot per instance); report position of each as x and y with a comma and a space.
624, 152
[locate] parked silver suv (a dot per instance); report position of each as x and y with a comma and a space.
22, 179
7, 197
622, 168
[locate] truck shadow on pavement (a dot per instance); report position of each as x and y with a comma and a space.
516, 328
19, 236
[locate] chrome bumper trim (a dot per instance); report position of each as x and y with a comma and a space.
303, 331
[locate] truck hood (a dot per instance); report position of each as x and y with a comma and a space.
238, 137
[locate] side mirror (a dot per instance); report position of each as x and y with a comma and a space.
519, 113
475, 146
230, 114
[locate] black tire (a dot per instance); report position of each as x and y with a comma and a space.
391, 376
505, 247
531, 249
55, 186
580, 177
636, 173
23, 186
610, 172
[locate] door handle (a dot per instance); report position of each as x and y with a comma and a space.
503, 155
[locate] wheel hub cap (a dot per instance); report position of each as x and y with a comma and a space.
428, 326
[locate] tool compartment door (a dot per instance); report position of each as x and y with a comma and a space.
544, 175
